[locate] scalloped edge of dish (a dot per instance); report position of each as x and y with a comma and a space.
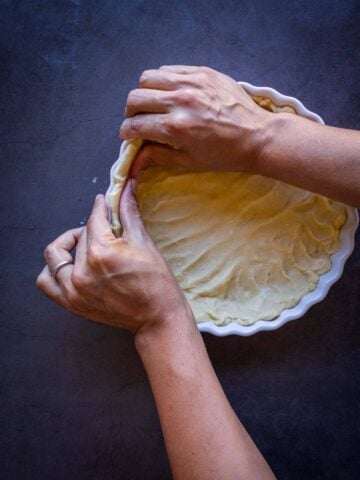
338, 260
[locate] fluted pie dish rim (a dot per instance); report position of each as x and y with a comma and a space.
338, 259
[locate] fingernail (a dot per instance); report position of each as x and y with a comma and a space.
134, 185
99, 196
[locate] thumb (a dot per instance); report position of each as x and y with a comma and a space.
132, 224
155, 154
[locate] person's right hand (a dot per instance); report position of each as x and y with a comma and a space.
198, 118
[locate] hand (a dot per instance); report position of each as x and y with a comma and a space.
123, 282
203, 118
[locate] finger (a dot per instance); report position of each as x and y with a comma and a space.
65, 242
151, 126
98, 226
142, 100
133, 227
155, 154
162, 80
59, 251
81, 250
50, 287
184, 69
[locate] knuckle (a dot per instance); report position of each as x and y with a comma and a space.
129, 127
167, 125
95, 254
176, 124
79, 279
186, 97
206, 74
207, 70
134, 124
73, 299
99, 257
48, 251
144, 77
133, 96
203, 77
40, 281
123, 129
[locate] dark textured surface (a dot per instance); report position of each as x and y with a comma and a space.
75, 401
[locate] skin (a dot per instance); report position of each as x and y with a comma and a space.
199, 118
121, 282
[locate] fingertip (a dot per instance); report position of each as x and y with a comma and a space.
124, 195
142, 161
40, 280
128, 186
100, 203
124, 205
100, 207
123, 133
130, 189
133, 228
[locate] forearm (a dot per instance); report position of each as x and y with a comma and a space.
318, 158
203, 436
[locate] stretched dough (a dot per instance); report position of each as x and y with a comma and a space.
119, 176
242, 247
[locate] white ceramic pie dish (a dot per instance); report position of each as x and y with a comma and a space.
347, 238
338, 260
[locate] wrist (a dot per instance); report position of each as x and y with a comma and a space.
251, 137
273, 135
167, 330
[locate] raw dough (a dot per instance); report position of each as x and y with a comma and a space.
267, 104
119, 175
242, 247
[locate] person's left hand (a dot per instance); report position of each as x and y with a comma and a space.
123, 282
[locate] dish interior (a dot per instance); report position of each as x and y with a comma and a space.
329, 267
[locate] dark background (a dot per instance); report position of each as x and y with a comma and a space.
75, 401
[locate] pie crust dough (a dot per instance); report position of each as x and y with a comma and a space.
242, 247
118, 177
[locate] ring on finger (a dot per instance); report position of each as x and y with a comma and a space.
59, 266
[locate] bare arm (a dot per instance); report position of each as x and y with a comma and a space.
203, 436
125, 282
205, 120
318, 158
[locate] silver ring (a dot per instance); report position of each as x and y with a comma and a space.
59, 266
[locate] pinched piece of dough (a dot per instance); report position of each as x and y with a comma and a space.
119, 175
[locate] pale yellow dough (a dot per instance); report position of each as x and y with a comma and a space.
119, 176
242, 247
